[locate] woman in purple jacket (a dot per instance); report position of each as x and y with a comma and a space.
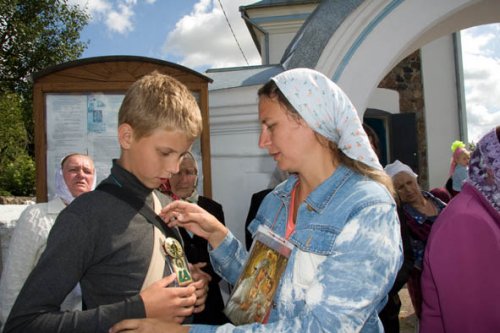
461, 277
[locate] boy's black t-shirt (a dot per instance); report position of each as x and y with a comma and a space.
101, 242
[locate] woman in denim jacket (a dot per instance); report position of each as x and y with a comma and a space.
336, 208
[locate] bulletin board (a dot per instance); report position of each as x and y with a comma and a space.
76, 107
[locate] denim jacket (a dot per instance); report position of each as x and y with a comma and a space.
347, 251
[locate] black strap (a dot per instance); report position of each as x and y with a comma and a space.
141, 207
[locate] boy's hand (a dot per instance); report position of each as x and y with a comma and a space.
195, 219
148, 325
202, 280
197, 271
172, 304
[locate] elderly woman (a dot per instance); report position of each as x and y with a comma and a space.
182, 185
74, 176
461, 278
419, 210
336, 208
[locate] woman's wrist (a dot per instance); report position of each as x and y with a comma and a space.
218, 236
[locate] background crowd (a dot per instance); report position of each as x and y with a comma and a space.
360, 231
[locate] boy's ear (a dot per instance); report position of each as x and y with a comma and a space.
125, 135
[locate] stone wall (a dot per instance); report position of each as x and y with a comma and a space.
8, 200
406, 78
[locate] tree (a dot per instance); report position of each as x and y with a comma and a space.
13, 136
36, 34
17, 169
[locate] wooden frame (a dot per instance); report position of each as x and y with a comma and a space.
112, 74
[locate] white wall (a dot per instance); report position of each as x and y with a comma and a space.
278, 44
239, 167
384, 99
441, 107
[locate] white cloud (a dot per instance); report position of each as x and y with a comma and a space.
204, 39
93, 7
481, 62
117, 15
121, 20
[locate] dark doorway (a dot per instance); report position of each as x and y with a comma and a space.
397, 134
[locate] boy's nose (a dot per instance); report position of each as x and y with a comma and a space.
174, 167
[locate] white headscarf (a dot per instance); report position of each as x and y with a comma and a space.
328, 111
397, 167
62, 190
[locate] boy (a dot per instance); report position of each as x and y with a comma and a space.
105, 243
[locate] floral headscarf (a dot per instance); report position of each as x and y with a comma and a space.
484, 168
328, 111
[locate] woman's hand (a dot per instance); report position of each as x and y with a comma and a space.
148, 325
195, 219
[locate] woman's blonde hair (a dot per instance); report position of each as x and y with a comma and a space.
160, 101
377, 175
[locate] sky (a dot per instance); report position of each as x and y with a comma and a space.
196, 34
481, 65
193, 33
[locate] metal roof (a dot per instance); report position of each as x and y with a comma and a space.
234, 77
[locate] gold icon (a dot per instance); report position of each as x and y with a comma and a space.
176, 260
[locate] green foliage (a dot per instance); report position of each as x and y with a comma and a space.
13, 136
18, 177
17, 170
34, 35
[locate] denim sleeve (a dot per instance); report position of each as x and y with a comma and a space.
342, 291
228, 258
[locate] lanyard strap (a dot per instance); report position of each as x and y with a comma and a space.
290, 223
146, 211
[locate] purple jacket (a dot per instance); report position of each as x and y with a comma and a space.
461, 276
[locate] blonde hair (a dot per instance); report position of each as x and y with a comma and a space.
160, 101
374, 174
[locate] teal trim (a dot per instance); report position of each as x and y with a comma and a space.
362, 36
270, 19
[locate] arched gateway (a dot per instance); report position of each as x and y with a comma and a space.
356, 43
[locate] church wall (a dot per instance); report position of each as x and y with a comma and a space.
278, 43
441, 106
239, 167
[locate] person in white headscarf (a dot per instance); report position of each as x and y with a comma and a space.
183, 186
74, 176
336, 208
419, 211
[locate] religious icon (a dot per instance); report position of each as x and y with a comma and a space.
253, 294
176, 260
